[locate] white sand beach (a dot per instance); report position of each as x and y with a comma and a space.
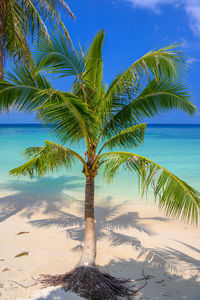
52, 234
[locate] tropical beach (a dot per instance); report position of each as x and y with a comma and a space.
99, 156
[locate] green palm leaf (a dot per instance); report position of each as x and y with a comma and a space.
69, 117
34, 13
129, 137
94, 63
56, 55
14, 41
22, 19
39, 11
158, 96
46, 159
175, 196
21, 89
163, 63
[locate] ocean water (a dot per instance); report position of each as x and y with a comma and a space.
176, 147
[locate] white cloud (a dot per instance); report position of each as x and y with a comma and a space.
192, 60
151, 4
191, 7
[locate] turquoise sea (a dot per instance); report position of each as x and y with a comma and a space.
176, 147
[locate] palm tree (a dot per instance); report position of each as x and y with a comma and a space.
22, 18
107, 118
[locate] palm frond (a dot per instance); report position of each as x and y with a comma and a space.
94, 63
33, 14
14, 41
21, 89
22, 20
56, 55
156, 97
175, 196
37, 12
69, 117
164, 63
59, 23
45, 159
130, 137
89, 86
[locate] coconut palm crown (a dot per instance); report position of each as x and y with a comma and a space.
20, 19
106, 118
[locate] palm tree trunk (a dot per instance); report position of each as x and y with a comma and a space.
89, 250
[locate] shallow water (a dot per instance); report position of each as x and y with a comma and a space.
176, 147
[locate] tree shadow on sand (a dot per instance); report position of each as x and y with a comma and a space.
109, 220
49, 193
177, 255
52, 194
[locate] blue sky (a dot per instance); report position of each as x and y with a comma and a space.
132, 28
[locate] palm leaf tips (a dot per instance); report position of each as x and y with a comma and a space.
175, 196
42, 160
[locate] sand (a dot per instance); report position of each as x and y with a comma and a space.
168, 250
